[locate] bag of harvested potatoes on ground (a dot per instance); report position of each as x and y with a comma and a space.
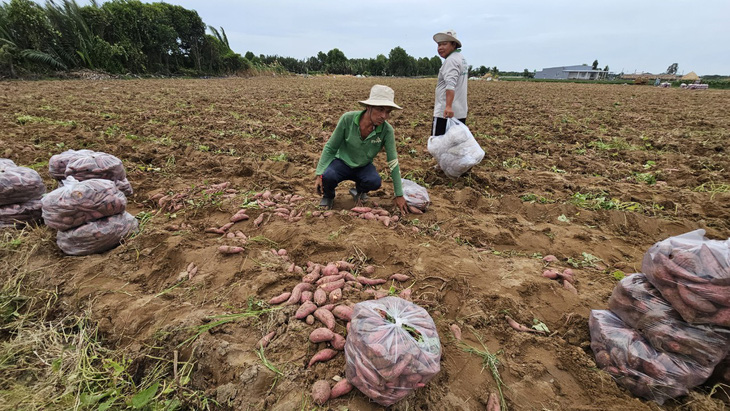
58, 162
415, 195
392, 348
18, 214
693, 274
78, 202
457, 151
640, 305
6, 162
636, 365
97, 236
20, 185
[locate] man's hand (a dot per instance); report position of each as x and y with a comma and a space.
448, 112
318, 184
400, 202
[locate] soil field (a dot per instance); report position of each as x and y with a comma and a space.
593, 174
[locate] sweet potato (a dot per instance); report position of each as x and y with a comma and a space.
329, 279
326, 317
309, 320
321, 392
551, 274
342, 312
406, 294
329, 287
330, 269
239, 216
306, 296
550, 259
296, 293
678, 271
414, 210
319, 297
341, 388
265, 340
567, 275
260, 219
335, 295
399, 277
695, 301
493, 402
569, 286
321, 335
304, 310
371, 281
280, 298
361, 210
228, 249
716, 293
344, 265
338, 342
456, 331
323, 355
519, 327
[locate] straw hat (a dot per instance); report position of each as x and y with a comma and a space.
381, 96
448, 35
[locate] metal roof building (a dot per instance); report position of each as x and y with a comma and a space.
581, 72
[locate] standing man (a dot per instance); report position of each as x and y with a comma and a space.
451, 86
349, 153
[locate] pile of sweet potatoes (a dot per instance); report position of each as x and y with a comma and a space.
694, 276
636, 365
640, 305
323, 300
20, 191
90, 215
667, 329
87, 164
392, 348
78, 202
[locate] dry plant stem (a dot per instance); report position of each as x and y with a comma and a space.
174, 367
489, 361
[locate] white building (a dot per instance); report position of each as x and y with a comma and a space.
582, 72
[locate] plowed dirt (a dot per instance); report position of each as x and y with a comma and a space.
593, 174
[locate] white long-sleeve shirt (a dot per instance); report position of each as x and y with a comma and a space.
453, 75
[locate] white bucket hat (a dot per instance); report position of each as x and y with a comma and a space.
381, 96
448, 35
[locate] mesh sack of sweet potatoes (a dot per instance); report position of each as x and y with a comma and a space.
96, 236
415, 194
100, 165
640, 305
693, 274
636, 365
6, 162
18, 214
78, 202
58, 162
20, 185
392, 348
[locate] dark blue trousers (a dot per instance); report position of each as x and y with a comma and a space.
366, 178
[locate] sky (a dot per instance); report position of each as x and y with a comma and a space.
629, 36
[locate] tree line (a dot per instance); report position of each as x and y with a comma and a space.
121, 36
131, 37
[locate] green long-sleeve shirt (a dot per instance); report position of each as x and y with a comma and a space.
347, 145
